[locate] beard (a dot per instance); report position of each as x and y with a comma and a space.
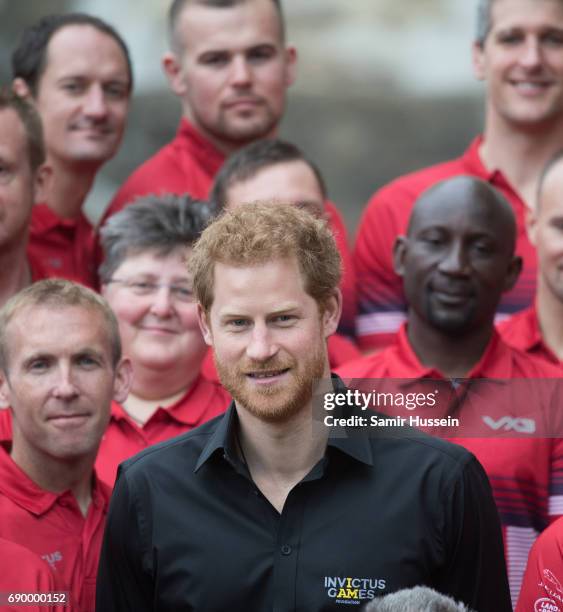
243, 130
279, 402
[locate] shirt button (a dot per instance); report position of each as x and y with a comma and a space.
286, 550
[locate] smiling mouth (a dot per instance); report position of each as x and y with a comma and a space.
531, 86
70, 420
159, 330
266, 375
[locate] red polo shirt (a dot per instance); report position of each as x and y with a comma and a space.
188, 164
124, 438
522, 331
52, 526
37, 269
65, 247
542, 588
381, 302
22, 571
526, 474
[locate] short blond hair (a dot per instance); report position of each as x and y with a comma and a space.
261, 232
58, 293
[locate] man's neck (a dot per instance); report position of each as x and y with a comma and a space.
16, 273
226, 147
520, 154
453, 356
141, 409
150, 384
69, 188
550, 318
57, 476
280, 455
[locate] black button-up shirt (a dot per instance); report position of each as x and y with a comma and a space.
189, 530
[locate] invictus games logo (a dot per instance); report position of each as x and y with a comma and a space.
352, 591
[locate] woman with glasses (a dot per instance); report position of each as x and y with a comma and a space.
145, 280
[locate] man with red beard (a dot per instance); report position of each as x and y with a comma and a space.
260, 508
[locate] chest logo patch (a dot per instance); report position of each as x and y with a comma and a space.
352, 591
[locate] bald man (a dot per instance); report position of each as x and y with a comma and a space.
456, 261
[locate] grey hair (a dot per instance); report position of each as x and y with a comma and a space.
483, 24
418, 599
157, 223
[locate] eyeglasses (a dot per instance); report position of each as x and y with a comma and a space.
179, 291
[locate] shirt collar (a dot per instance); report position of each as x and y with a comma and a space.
206, 153
530, 329
473, 165
496, 361
187, 411
45, 219
223, 438
18, 486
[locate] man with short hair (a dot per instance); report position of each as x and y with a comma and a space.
76, 70
456, 262
538, 330
278, 171
518, 52
22, 174
230, 66
60, 368
286, 516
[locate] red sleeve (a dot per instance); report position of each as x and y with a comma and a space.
542, 588
348, 282
381, 302
22, 571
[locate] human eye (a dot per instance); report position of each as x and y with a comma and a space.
509, 37
553, 38
73, 86
432, 238
87, 361
6, 173
557, 224
483, 247
181, 292
261, 53
237, 324
214, 59
116, 90
38, 365
284, 320
141, 287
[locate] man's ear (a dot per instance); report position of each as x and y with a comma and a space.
478, 60
123, 380
43, 182
400, 249
21, 88
513, 273
332, 310
532, 225
204, 325
290, 65
173, 71
5, 396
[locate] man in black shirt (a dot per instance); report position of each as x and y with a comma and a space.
261, 509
